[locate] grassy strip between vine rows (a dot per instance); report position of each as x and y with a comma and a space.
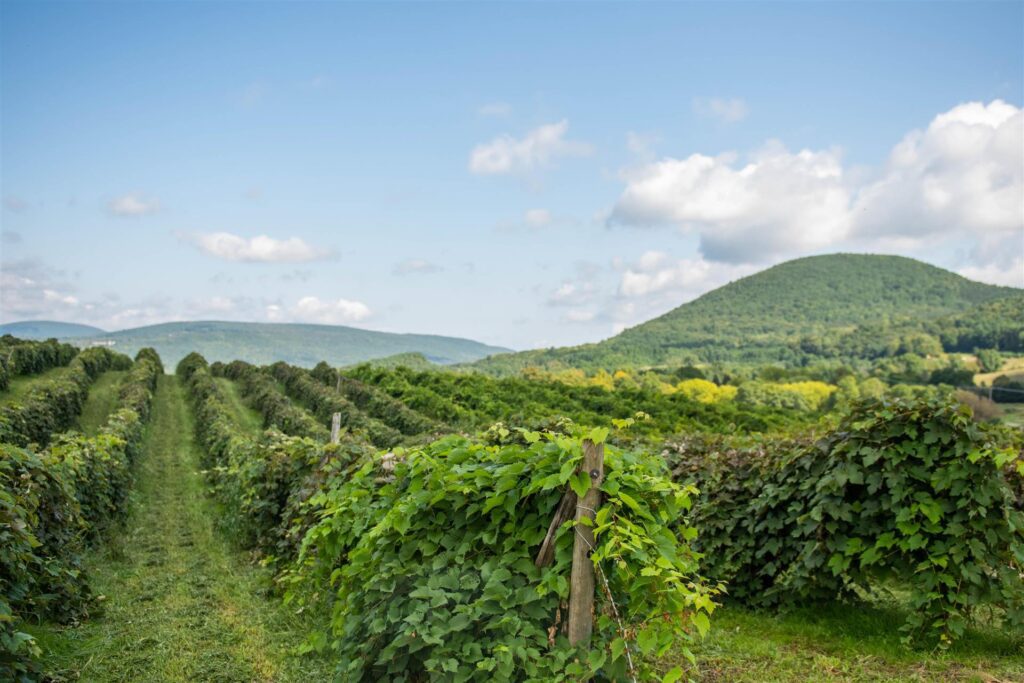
19, 357
54, 404
55, 501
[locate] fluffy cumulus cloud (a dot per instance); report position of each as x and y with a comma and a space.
776, 202
726, 110
416, 266
959, 180
539, 147
133, 204
30, 289
259, 249
312, 309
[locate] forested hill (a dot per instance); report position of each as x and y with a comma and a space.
46, 329
298, 344
834, 306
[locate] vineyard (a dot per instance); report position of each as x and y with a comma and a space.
235, 522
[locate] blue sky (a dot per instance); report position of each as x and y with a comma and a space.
524, 174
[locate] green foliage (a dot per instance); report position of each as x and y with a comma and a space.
52, 503
21, 357
475, 401
430, 552
261, 391
324, 402
1008, 388
911, 490
55, 403
261, 482
989, 360
375, 402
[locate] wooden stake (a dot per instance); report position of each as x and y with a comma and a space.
336, 428
565, 511
581, 583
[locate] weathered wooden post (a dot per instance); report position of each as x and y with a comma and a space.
581, 582
336, 428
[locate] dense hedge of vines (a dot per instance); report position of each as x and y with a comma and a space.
55, 403
431, 563
260, 390
324, 402
51, 504
473, 400
262, 482
906, 490
25, 357
377, 403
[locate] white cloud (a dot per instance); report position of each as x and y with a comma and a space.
133, 205
721, 109
331, 312
538, 148
579, 315
656, 272
415, 266
495, 109
1012, 274
777, 202
959, 180
538, 218
259, 249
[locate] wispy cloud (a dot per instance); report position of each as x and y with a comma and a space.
495, 109
721, 109
133, 204
15, 204
416, 266
259, 249
312, 309
539, 147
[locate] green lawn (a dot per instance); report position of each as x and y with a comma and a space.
845, 643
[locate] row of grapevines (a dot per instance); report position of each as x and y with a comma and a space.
377, 403
906, 490
55, 403
24, 357
261, 392
432, 564
324, 402
51, 504
259, 481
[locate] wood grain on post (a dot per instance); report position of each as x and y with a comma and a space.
581, 582
336, 428
565, 511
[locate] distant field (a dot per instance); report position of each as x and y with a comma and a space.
1013, 366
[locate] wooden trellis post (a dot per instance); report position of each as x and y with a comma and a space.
581, 582
336, 428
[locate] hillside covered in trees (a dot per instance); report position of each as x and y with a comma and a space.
838, 306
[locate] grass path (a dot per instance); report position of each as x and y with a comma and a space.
22, 384
180, 603
246, 418
101, 402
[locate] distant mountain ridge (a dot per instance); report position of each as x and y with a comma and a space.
832, 306
47, 329
263, 343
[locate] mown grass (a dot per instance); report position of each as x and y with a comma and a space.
102, 401
21, 384
177, 601
244, 416
856, 643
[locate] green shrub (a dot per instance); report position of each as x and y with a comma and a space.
23, 357
432, 564
907, 490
